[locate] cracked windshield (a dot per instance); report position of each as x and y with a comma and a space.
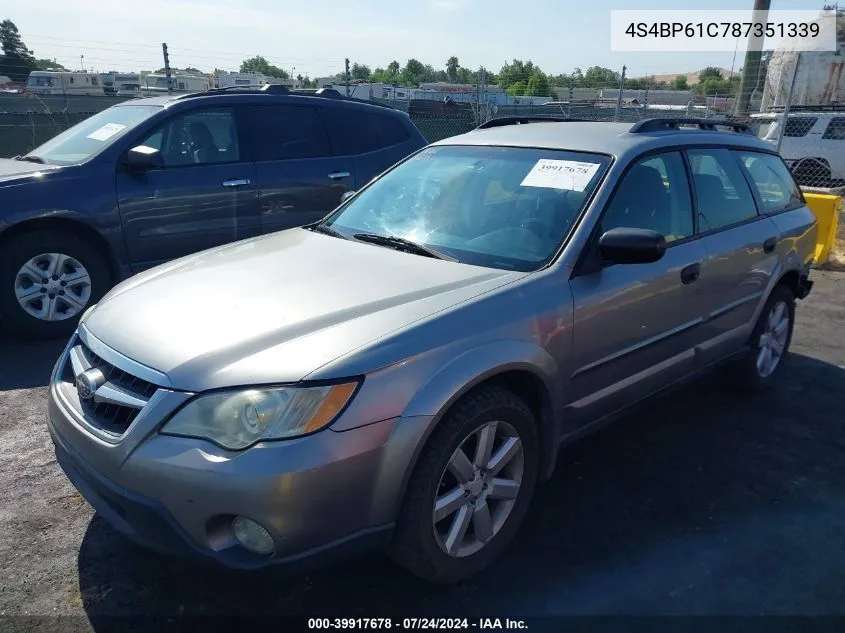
500, 207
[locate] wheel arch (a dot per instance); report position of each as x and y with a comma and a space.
71, 225
521, 367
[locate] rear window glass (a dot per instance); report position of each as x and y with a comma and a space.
284, 132
835, 129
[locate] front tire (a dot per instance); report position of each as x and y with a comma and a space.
47, 281
769, 342
470, 489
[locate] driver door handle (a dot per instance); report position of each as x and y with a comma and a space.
236, 182
691, 273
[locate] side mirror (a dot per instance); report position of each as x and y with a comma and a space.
143, 157
346, 195
631, 246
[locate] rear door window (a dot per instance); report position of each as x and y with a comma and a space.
354, 131
772, 179
721, 193
285, 132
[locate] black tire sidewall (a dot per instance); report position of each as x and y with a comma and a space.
415, 526
17, 251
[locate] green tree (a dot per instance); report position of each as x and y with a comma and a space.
48, 64
259, 64
452, 66
721, 86
711, 72
680, 83
17, 61
516, 72
538, 85
517, 89
599, 77
464, 76
413, 73
360, 71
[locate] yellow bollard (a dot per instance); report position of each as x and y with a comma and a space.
826, 209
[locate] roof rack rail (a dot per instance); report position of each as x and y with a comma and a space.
658, 124
828, 107
519, 120
277, 89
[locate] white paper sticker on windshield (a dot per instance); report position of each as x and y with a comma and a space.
106, 132
572, 175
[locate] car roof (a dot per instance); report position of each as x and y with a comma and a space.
259, 97
615, 139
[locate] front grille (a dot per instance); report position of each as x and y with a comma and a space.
127, 393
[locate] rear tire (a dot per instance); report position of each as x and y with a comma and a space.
47, 281
489, 502
769, 342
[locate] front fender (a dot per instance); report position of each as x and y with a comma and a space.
476, 365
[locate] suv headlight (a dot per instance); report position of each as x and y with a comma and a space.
238, 419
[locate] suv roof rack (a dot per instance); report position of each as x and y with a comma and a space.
519, 120
277, 89
658, 124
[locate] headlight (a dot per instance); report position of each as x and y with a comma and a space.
238, 419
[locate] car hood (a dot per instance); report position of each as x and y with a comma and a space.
17, 169
276, 308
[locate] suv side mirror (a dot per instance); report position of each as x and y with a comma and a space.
143, 157
631, 246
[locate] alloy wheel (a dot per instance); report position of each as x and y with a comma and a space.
476, 495
772, 343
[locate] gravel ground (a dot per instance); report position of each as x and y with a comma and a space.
702, 503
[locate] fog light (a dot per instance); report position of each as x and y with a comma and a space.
252, 536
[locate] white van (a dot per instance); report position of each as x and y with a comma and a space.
813, 143
52, 82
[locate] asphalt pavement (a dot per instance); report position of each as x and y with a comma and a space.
704, 502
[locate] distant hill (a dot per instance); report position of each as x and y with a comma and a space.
692, 78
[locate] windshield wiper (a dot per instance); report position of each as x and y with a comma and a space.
325, 229
31, 159
400, 243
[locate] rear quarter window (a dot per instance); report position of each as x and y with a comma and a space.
356, 131
773, 181
835, 129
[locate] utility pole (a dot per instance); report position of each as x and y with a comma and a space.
751, 66
782, 126
346, 73
619, 98
167, 67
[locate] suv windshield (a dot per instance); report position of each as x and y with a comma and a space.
501, 207
93, 135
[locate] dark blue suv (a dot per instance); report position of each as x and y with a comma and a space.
150, 180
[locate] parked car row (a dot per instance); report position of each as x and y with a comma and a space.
150, 180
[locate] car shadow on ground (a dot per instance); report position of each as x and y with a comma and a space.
26, 363
704, 501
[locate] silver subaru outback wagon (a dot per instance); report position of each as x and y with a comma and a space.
402, 373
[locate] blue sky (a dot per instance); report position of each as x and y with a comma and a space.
314, 37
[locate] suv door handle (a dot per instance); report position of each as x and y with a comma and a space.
337, 175
236, 182
769, 244
690, 273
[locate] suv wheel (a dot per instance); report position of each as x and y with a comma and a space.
769, 341
47, 280
470, 489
